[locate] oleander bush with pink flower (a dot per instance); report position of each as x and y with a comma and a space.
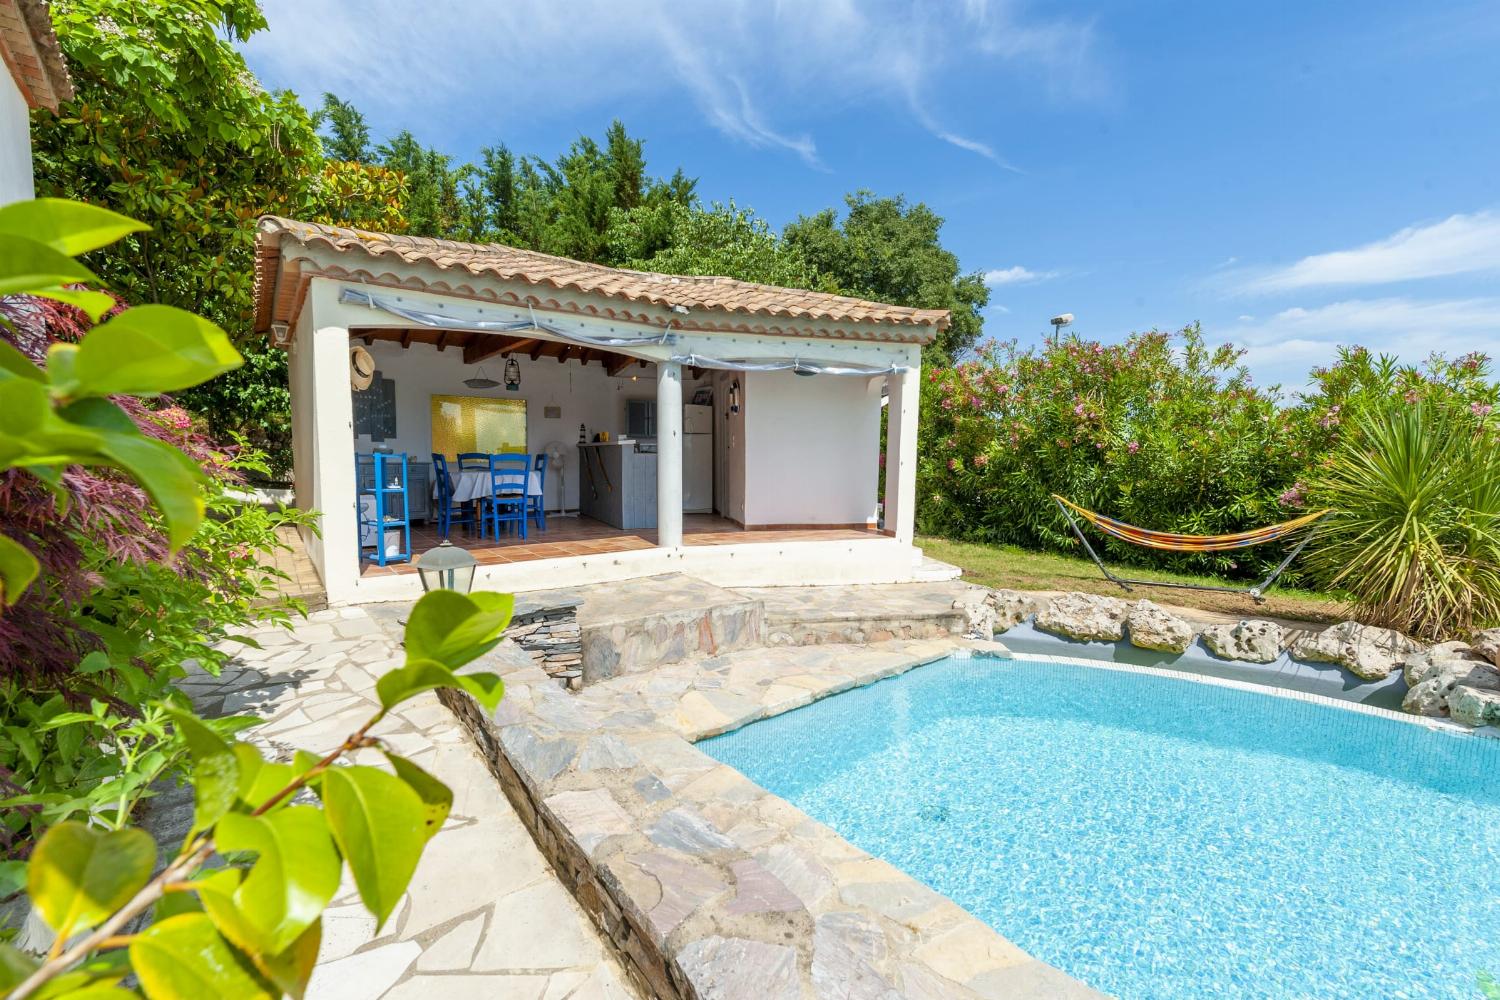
1163, 431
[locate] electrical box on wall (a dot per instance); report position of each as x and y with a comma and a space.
552, 412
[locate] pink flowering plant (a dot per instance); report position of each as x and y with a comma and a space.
1161, 430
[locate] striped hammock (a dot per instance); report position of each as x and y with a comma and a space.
1170, 542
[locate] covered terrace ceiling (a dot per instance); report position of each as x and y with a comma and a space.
478, 347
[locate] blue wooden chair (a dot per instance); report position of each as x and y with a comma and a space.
509, 475
536, 499
473, 460
448, 512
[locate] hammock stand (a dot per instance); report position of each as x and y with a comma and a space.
1170, 542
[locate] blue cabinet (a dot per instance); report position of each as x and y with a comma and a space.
384, 511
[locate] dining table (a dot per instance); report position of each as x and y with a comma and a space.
476, 484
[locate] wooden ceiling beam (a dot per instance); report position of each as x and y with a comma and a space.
618, 363
405, 339
442, 340
486, 346
538, 348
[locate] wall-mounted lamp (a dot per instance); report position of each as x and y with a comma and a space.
734, 396
281, 334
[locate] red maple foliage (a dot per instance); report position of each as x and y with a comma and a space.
40, 641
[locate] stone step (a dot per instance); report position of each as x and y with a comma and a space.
931, 570
636, 625
805, 616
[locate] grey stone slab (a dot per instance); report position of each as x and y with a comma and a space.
684, 830
734, 969
846, 948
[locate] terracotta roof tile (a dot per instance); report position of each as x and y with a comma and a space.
810, 312
30, 51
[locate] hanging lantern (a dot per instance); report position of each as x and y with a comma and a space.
512, 375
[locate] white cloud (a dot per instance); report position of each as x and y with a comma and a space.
1017, 275
1460, 244
752, 68
1282, 347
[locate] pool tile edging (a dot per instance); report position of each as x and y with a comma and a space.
706, 884
1433, 723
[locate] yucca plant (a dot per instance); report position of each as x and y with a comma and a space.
1414, 533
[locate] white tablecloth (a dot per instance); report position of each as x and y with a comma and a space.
471, 484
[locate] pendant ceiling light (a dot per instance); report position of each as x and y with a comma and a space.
512, 375
481, 381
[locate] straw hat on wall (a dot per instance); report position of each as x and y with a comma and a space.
361, 368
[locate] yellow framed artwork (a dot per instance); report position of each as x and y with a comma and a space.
477, 423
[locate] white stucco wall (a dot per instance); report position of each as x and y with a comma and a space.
15, 144
812, 448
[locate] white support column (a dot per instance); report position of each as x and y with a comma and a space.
901, 452
332, 413
668, 455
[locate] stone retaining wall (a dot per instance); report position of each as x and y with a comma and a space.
554, 639
813, 633
647, 968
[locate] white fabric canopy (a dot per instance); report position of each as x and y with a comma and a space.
800, 365
464, 319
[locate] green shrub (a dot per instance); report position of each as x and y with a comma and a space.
1162, 432
237, 911
1414, 533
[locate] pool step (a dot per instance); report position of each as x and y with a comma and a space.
808, 616
640, 624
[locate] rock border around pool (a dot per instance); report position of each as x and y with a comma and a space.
707, 885
1457, 680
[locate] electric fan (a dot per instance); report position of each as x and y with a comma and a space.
557, 458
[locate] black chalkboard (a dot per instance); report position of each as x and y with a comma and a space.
375, 409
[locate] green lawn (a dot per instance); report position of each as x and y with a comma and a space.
1020, 569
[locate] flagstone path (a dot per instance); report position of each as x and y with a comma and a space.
485, 916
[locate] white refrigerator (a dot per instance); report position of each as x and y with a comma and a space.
697, 459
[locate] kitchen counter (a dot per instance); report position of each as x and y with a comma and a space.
617, 484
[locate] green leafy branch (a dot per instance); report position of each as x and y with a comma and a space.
238, 911
254, 931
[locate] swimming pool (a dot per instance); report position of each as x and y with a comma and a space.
1158, 837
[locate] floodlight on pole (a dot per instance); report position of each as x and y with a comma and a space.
1058, 322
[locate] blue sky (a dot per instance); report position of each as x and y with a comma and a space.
1292, 175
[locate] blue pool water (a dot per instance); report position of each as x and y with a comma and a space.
1162, 838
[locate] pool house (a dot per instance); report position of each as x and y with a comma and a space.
666, 423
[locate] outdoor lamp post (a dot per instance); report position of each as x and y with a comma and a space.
446, 567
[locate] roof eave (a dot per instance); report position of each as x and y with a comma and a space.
914, 325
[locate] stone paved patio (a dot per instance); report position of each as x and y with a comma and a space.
709, 886
485, 916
